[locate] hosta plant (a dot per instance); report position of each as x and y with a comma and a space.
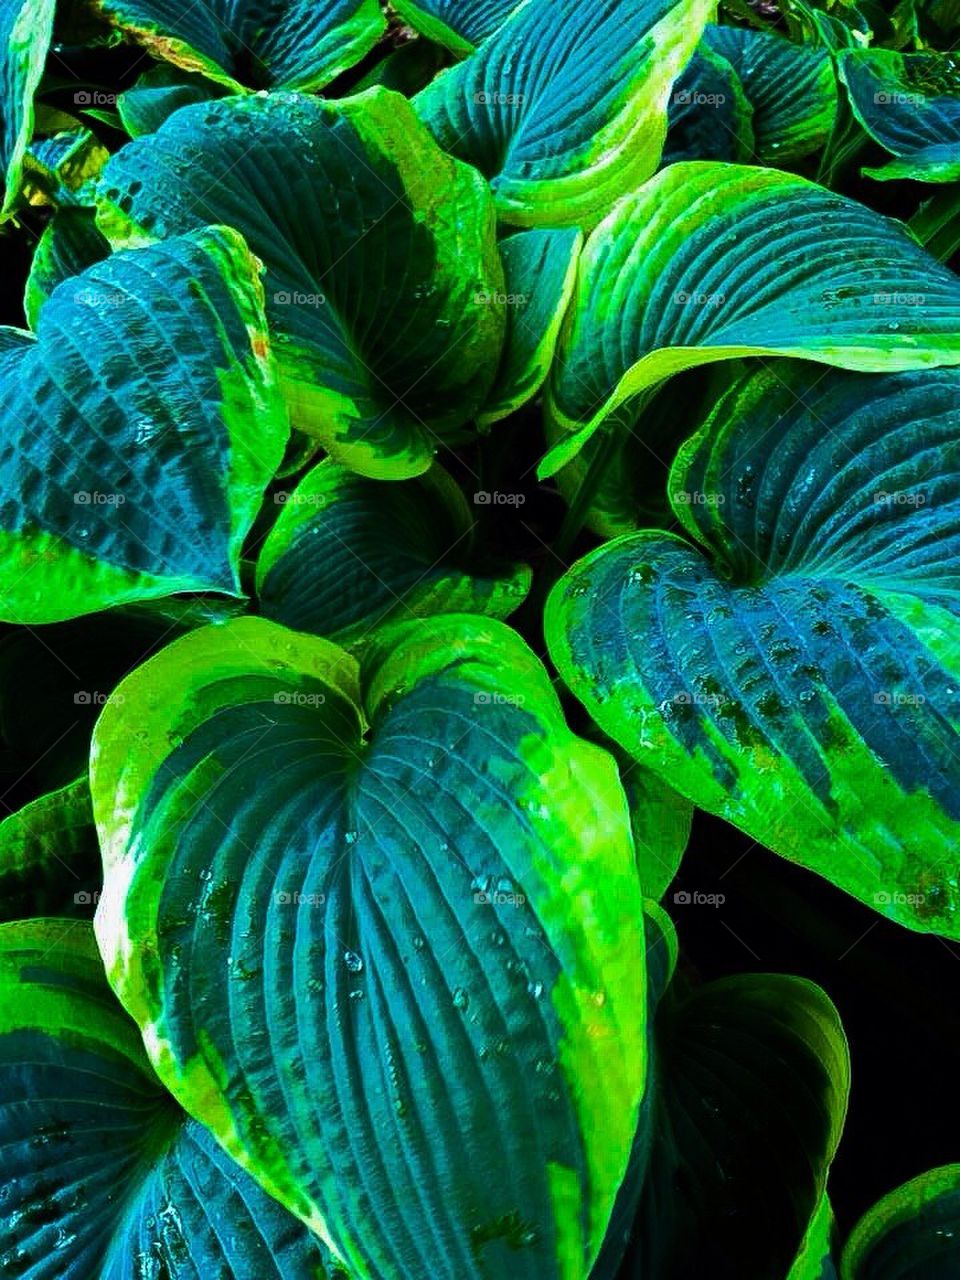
479, 640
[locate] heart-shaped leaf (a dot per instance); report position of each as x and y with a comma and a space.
912, 1232
750, 1081
708, 261
26, 27
140, 427
382, 930
460, 25
910, 104
294, 44
382, 275
798, 673
105, 1177
540, 269
564, 107
349, 554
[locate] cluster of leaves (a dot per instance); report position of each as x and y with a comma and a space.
355, 331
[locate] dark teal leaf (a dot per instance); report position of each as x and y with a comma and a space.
460, 25
161, 91
70, 243
26, 27
911, 1234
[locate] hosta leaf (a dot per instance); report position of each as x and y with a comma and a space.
564, 107
792, 90
910, 104
798, 673
105, 1177
60, 169
911, 1234
455, 1090
708, 261
540, 269
710, 115
141, 425
815, 1258
751, 1078
26, 27
460, 25
161, 91
292, 44
70, 243
348, 554
49, 857
379, 252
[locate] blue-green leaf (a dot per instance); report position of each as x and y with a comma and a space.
160, 92
26, 27
709, 261
293, 44
795, 668
423, 852
564, 107
460, 25
141, 425
710, 115
70, 243
910, 104
348, 555
383, 280
105, 1178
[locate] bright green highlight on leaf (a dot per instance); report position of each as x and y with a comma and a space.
798, 671
421, 848
384, 286
293, 44
348, 555
564, 107
108, 1175
913, 1231
710, 261
142, 424
910, 104
26, 27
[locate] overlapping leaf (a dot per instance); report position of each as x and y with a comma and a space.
349, 554
140, 427
564, 107
49, 859
384, 286
708, 261
799, 672
26, 27
910, 104
105, 1176
69, 245
460, 25
159, 92
423, 852
912, 1232
293, 44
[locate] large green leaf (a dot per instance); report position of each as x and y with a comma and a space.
26, 27
349, 554
141, 425
750, 1080
798, 671
105, 1177
382, 930
708, 261
460, 25
49, 858
911, 1234
910, 104
296, 44
384, 286
159, 92
564, 107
